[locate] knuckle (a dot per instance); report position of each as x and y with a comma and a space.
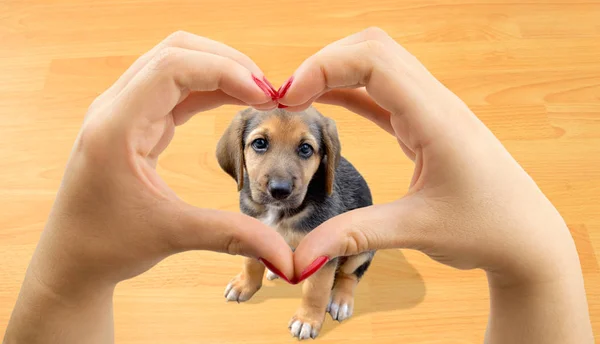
374, 47
234, 245
165, 58
92, 140
176, 38
223, 66
375, 33
356, 242
96, 103
224, 63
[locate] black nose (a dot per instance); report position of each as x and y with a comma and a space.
280, 189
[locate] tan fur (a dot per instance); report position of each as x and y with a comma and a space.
230, 152
332, 145
343, 292
315, 296
353, 262
345, 283
332, 149
284, 134
249, 281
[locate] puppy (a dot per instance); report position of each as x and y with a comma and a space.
291, 176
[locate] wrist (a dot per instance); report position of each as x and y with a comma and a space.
544, 253
45, 315
551, 311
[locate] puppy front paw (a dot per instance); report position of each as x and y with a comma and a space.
341, 305
306, 323
241, 288
271, 275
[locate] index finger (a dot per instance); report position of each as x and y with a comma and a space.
361, 103
184, 40
394, 85
172, 75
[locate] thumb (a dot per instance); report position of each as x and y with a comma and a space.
400, 224
233, 233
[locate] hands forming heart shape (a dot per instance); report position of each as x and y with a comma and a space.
469, 204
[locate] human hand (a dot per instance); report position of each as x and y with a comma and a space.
469, 204
113, 210
114, 217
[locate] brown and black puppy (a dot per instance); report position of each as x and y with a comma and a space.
291, 176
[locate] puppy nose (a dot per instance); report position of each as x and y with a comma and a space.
280, 189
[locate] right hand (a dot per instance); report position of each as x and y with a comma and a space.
469, 205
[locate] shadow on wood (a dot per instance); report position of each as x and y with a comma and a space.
391, 283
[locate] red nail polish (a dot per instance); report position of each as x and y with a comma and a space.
284, 88
274, 94
274, 269
313, 267
264, 87
281, 106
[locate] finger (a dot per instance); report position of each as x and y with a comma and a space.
342, 67
374, 38
401, 224
304, 106
184, 40
201, 101
361, 103
204, 101
170, 77
233, 233
379, 35
389, 80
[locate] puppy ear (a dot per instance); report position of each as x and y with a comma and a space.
333, 148
230, 149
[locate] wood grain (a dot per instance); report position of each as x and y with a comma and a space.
531, 71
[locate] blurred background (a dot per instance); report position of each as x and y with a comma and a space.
530, 71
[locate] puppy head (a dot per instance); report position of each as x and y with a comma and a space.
280, 152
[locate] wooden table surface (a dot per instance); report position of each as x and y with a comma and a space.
530, 71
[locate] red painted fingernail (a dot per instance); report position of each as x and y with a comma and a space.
274, 94
313, 267
264, 87
284, 88
274, 269
281, 106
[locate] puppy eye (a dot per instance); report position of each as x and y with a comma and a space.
305, 150
260, 145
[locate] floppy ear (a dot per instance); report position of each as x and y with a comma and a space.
333, 148
230, 149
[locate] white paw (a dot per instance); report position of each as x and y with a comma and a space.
231, 293
340, 312
303, 330
240, 289
271, 276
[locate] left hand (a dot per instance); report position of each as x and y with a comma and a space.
114, 217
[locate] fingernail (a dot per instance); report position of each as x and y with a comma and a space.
274, 269
281, 106
284, 88
264, 87
313, 267
274, 94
